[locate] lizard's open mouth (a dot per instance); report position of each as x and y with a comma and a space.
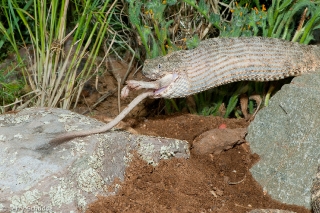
160, 87
164, 84
158, 91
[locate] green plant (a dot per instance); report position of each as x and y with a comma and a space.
151, 26
245, 22
56, 72
10, 88
203, 8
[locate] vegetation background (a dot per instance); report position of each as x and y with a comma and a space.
50, 49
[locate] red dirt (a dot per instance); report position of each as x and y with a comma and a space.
209, 183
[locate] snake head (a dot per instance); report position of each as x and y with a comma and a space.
163, 65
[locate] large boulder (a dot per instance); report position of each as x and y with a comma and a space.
67, 177
286, 136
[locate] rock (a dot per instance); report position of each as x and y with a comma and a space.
70, 176
217, 140
286, 136
270, 211
315, 193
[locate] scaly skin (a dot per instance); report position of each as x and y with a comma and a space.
220, 61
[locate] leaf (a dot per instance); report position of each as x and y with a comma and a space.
231, 104
171, 2
193, 42
134, 12
203, 7
284, 5
214, 19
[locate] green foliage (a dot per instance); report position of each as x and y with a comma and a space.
203, 9
245, 22
54, 67
249, 3
152, 27
10, 88
208, 103
171, 106
193, 42
281, 20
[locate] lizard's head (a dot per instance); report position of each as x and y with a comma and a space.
158, 67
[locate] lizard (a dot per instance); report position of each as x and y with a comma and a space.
214, 62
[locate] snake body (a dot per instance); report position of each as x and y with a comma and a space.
221, 61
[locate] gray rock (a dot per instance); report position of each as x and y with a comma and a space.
37, 177
270, 211
286, 136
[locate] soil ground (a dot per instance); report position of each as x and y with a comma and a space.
197, 184
202, 183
